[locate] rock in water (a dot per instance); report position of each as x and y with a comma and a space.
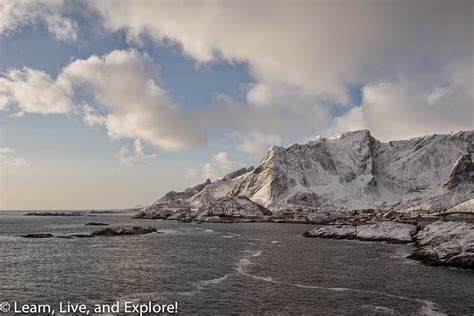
96, 224
40, 235
119, 231
446, 243
383, 231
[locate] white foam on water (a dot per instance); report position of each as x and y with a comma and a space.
203, 284
205, 230
168, 231
427, 307
380, 309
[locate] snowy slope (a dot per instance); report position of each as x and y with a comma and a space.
354, 170
207, 201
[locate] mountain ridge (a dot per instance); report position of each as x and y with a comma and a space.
355, 170
349, 171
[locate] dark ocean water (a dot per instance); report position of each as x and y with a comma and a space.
222, 269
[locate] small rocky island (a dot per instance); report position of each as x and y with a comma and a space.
121, 231
56, 214
109, 231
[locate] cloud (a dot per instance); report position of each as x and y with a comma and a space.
52, 14
414, 70
256, 144
271, 115
133, 105
221, 165
303, 57
410, 107
134, 154
128, 101
33, 91
6, 157
302, 45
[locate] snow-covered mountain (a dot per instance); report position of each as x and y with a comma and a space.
355, 171
351, 171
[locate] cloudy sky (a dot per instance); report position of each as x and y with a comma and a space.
107, 104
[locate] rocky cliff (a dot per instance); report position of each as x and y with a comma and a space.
356, 171
351, 171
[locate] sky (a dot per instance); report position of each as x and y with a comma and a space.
110, 104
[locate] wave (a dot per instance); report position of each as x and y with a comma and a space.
231, 235
380, 309
202, 284
427, 307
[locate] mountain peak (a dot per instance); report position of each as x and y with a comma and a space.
353, 170
346, 135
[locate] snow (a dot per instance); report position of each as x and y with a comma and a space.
465, 207
354, 170
381, 231
447, 243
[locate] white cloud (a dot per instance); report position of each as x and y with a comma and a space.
91, 118
16, 14
257, 144
411, 107
129, 103
351, 121
134, 154
314, 45
221, 165
6, 157
33, 91
302, 57
124, 83
272, 115
300, 60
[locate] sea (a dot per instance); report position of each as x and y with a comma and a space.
219, 269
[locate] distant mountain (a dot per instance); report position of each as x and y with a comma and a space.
351, 171
356, 171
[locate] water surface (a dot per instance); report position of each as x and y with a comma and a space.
222, 269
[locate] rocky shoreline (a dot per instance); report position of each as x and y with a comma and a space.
392, 232
446, 244
443, 243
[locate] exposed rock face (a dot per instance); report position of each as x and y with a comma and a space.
351, 171
446, 243
462, 173
237, 173
118, 231
356, 171
383, 231
233, 207
214, 209
210, 192
462, 208
208, 203
187, 193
